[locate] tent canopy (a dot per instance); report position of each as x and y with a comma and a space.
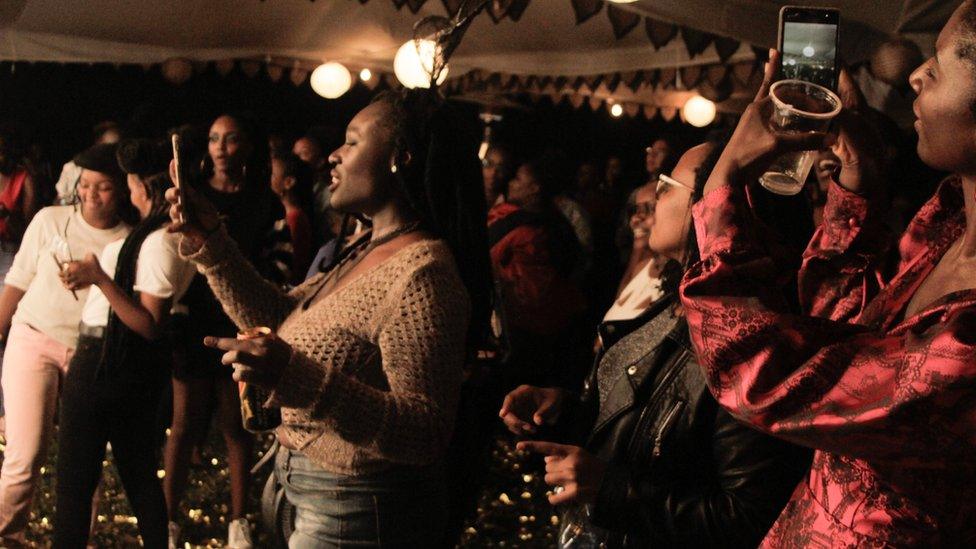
546, 38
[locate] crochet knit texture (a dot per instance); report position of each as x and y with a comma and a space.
376, 371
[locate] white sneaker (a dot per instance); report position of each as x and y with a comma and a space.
175, 533
239, 534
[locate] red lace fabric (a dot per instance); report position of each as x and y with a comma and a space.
888, 403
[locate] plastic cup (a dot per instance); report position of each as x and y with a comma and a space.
798, 107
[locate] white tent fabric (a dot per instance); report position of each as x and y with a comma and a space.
545, 41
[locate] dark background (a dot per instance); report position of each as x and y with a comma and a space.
56, 105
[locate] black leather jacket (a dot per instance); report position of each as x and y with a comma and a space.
682, 472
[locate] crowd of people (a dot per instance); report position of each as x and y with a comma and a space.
700, 362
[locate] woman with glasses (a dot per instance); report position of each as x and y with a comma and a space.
641, 283
42, 320
660, 465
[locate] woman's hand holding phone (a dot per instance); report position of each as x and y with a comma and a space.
197, 227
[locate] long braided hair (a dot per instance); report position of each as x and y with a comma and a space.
119, 338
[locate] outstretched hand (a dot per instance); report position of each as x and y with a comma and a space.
259, 360
527, 407
576, 473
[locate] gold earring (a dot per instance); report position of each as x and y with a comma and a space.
393, 169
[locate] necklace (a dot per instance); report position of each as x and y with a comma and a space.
355, 257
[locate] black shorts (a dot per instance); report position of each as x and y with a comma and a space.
191, 359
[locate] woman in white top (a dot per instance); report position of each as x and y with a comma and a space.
42, 320
641, 284
120, 369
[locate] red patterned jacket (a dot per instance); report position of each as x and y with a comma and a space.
888, 403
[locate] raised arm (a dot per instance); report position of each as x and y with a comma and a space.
840, 271
247, 298
830, 385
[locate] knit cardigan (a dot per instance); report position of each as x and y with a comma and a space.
376, 369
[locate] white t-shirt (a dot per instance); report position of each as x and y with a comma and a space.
636, 297
160, 271
47, 305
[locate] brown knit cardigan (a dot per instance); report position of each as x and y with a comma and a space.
376, 371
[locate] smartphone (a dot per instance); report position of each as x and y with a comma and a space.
808, 39
181, 179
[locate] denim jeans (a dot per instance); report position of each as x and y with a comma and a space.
402, 507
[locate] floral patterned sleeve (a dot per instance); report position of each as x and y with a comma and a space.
840, 266
845, 388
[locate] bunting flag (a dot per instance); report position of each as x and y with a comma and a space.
585, 9
622, 20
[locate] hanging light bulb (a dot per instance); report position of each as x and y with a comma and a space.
365, 75
331, 80
414, 62
698, 111
616, 110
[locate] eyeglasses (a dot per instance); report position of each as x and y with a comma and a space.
664, 180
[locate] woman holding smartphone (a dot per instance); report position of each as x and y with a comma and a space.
878, 375
366, 358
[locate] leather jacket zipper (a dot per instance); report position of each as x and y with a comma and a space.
658, 391
666, 425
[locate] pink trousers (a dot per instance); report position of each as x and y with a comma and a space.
33, 367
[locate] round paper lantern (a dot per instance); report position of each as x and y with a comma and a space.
331, 80
177, 70
414, 62
698, 111
616, 110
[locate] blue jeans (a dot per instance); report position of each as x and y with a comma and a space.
402, 507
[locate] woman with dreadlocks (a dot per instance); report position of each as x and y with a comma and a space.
366, 357
121, 365
659, 463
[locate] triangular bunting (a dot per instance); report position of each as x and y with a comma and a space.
696, 41
585, 9
623, 21
659, 33
725, 47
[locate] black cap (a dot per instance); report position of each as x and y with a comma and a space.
100, 158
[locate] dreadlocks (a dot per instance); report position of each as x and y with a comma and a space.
441, 183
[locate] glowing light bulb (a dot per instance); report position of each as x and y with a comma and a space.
699, 112
331, 80
414, 62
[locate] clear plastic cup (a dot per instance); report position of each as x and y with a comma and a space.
798, 107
